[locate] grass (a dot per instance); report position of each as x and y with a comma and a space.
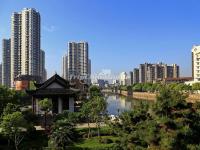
103, 130
93, 143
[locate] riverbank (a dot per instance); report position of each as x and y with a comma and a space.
139, 95
152, 96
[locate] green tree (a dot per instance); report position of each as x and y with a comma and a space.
94, 91
86, 113
168, 100
45, 105
138, 87
133, 130
123, 87
98, 110
8, 96
10, 108
196, 86
177, 117
147, 87
169, 123
14, 127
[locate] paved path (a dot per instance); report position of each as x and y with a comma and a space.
92, 125
80, 125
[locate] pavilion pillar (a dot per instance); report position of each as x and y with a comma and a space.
71, 104
33, 104
36, 106
60, 105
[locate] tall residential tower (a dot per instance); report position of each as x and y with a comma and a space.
25, 43
64, 67
196, 63
77, 63
6, 62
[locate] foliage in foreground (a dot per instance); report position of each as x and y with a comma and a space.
171, 123
9, 96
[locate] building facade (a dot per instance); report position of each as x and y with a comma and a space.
157, 72
25, 43
42, 65
15, 46
135, 75
123, 78
196, 63
131, 77
6, 62
143, 72
77, 63
64, 67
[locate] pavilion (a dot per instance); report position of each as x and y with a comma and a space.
61, 93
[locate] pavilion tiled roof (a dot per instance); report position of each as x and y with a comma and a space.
41, 89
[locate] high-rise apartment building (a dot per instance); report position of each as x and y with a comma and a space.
150, 74
25, 43
159, 73
156, 72
143, 72
135, 75
171, 71
89, 66
196, 63
123, 78
6, 62
15, 46
64, 67
78, 62
131, 77
42, 65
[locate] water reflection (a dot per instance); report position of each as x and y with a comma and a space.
118, 104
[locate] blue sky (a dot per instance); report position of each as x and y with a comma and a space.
121, 33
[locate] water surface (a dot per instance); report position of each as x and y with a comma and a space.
118, 104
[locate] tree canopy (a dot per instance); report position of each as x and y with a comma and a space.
170, 123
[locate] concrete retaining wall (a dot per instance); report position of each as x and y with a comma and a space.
152, 96
144, 95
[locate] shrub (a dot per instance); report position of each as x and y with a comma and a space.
106, 141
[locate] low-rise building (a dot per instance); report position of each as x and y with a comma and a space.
25, 82
177, 80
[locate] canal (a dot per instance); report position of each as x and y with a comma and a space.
117, 103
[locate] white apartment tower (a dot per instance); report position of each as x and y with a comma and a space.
78, 64
64, 67
123, 78
15, 46
196, 63
25, 43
